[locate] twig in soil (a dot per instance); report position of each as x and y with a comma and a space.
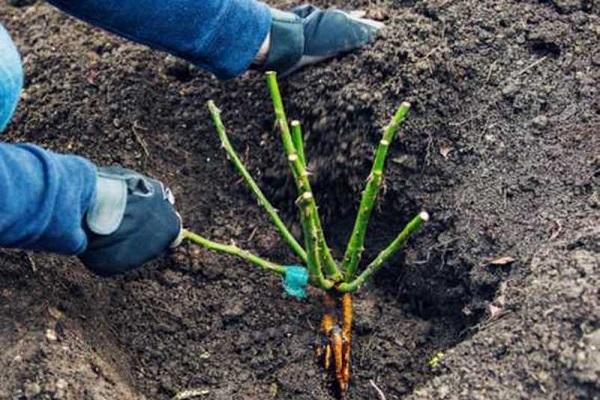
139, 139
490, 71
379, 392
31, 262
530, 66
188, 394
252, 234
555, 232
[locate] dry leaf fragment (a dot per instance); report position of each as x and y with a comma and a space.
495, 311
503, 260
445, 150
55, 313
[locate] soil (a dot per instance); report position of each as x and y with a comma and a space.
502, 148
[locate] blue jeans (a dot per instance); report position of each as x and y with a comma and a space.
44, 195
220, 36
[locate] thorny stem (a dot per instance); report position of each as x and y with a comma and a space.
234, 250
385, 254
356, 244
298, 140
262, 199
309, 210
308, 229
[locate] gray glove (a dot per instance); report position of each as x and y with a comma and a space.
131, 221
308, 35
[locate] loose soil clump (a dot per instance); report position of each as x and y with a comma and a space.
501, 148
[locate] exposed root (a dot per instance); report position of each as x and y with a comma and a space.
335, 346
338, 357
347, 341
326, 351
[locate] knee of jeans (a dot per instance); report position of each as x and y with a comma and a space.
11, 78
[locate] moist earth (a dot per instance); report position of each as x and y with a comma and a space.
496, 298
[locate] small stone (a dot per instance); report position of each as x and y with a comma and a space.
32, 389
233, 310
443, 391
51, 335
510, 90
539, 122
407, 161
178, 69
593, 340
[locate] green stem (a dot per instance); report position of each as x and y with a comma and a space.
385, 254
234, 250
262, 199
314, 254
357, 238
298, 140
302, 183
314, 265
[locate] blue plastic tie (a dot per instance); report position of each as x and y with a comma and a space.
295, 281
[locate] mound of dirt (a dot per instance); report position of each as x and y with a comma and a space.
501, 147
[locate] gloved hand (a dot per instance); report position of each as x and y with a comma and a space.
131, 220
308, 35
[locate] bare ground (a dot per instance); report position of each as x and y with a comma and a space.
502, 148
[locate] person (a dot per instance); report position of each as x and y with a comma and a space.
115, 219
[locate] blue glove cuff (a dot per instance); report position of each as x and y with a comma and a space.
11, 78
287, 41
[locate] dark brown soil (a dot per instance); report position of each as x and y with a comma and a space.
502, 148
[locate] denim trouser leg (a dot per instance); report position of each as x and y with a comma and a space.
11, 78
221, 36
43, 195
